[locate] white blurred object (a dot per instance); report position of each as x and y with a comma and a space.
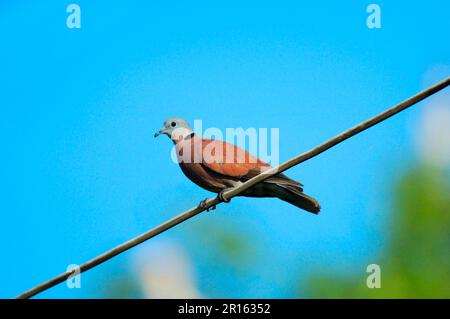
166, 271
434, 131
434, 126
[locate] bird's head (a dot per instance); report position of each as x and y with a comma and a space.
176, 128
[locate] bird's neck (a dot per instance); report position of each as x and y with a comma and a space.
189, 136
182, 138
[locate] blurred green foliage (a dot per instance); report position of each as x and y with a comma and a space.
227, 244
416, 261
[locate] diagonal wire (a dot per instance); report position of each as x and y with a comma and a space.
239, 189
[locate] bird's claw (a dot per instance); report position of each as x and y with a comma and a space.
222, 198
202, 204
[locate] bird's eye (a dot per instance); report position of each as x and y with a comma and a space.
173, 124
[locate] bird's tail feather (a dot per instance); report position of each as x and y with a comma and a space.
297, 198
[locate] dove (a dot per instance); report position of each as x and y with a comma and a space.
218, 166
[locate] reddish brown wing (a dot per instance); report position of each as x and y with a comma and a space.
229, 160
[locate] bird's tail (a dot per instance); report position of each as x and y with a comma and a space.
297, 198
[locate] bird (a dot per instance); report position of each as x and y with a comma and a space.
217, 166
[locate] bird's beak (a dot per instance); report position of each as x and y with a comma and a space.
161, 131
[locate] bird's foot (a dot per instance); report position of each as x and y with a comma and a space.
202, 204
223, 198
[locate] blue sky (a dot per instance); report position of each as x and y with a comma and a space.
82, 173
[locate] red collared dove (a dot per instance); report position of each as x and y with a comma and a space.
215, 166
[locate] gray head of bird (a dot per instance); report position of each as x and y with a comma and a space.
175, 128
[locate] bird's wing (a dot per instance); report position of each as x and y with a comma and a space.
229, 160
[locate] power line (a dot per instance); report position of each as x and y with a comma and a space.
241, 188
